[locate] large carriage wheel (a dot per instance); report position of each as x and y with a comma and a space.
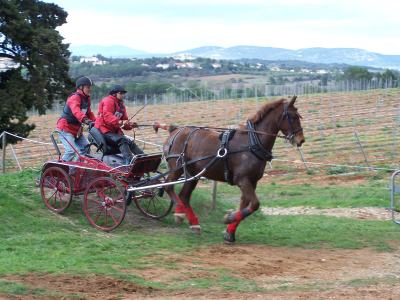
104, 204
56, 189
153, 202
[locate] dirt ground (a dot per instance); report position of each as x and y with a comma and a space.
280, 273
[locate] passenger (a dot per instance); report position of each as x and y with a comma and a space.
76, 112
110, 121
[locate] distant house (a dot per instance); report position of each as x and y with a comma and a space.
275, 69
163, 66
92, 60
188, 65
184, 56
322, 71
216, 65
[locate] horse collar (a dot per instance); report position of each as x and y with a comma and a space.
255, 145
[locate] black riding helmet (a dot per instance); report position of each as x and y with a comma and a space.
84, 80
117, 89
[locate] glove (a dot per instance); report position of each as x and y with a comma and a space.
134, 125
128, 126
88, 122
118, 114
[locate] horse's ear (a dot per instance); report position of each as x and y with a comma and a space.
293, 100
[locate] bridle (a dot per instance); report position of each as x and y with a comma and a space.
286, 115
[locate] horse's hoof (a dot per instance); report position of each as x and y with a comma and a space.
179, 218
196, 229
229, 238
229, 218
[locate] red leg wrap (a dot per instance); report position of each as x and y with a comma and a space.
242, 214
180, 207
231, 228
191, 216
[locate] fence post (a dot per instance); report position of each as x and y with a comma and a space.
15, 157
362, 149
4, 144
214, 195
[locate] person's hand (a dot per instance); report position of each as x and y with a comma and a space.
88, 122
127, 126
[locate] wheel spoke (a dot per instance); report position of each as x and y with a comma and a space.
117, 209
112, 217
98, 215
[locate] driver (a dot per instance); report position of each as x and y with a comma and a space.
110, 121
76, 112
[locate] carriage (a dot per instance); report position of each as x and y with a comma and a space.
236, 156
106, 184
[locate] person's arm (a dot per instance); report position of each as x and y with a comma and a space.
109, 113
74, 103
90, 114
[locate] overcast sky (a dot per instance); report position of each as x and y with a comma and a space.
174, 25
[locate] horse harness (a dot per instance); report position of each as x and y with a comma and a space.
254, 146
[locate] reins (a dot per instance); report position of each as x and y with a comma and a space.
221, 129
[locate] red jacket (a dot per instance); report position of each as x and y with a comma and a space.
75, 109
107, 119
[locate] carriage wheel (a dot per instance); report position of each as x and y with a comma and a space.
104, 204
56, 189
153, 202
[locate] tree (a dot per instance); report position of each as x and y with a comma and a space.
389, 76
357, 73
38, 74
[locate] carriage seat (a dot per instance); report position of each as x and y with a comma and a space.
97, 139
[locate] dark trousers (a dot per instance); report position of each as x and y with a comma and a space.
127, 147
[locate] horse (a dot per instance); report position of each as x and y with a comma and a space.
239, 159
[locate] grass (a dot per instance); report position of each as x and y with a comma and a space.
287, 195
35, 240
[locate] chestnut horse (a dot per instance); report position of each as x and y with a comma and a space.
239, 161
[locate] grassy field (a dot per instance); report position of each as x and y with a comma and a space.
36, 241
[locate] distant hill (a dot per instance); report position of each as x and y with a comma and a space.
350, 56
115, 51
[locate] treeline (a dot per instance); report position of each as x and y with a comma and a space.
161, 76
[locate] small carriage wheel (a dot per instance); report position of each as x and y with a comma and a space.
56, 189
153, 202
104, 204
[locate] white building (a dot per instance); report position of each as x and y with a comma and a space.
92, 60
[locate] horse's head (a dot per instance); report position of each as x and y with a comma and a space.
289, 123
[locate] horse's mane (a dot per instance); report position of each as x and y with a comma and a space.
264, 110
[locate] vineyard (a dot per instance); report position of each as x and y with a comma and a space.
345, 132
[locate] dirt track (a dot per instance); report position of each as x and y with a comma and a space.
279, 273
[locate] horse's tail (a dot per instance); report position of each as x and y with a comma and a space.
170, 128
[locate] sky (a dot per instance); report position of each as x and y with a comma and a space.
169, 26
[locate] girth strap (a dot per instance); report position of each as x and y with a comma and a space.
255, 145
226, 136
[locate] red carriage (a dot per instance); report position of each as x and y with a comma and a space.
105, 183
237, 156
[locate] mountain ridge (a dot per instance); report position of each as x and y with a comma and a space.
350, 56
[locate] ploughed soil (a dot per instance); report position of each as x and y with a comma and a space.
261, 272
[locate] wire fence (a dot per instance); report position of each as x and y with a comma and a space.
347, 133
